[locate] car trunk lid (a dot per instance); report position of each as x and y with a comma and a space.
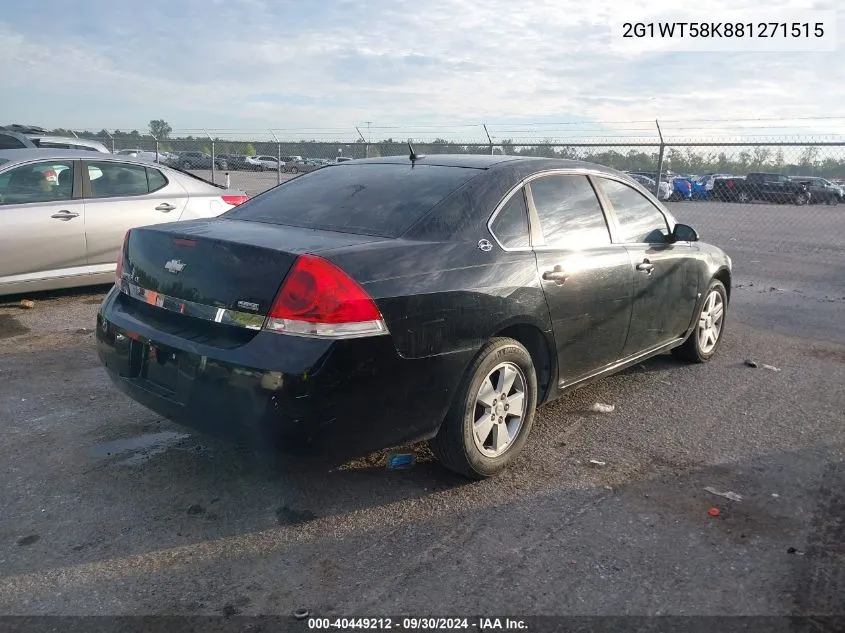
222, 264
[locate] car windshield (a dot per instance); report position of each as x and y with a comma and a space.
370, 199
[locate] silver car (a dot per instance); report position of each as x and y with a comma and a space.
65, 142
63, 213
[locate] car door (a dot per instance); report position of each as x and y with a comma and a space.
587, 280
665, 280
43, 223
120, 196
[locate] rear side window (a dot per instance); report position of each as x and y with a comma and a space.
569, 212
378, 199
510, 226
155, 179
113, 180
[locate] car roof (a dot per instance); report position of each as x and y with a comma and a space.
11, 156
483, 161
27, 154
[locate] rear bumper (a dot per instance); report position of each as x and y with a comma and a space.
337, 399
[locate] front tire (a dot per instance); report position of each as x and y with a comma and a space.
743, 197
492, 413
706, 337
801, 199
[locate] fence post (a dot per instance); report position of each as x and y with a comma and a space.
156, 142
489, 140
278, 159
363, 140
659, 161
112, 141
212, 155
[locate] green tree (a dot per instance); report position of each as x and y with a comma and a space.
249, 149
160, 129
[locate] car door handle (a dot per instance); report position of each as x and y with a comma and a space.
645, 267
65, 215
165, 206
557, 275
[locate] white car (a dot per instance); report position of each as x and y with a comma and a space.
264, 163
144, 154
664, 191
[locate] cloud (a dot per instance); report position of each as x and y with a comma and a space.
256, 64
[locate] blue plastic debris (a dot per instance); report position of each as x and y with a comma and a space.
400, 460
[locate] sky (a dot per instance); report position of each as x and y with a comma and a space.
312, 69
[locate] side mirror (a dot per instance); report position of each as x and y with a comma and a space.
684, 233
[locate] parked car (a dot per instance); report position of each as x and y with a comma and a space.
145, 154
14, 140
342, 159
64, 142
762, 186
199, 160
39, 137
294, 164
65, 212
822, 190
681, 189
235, 161
665, 191
307, 317
264, 163
709, 179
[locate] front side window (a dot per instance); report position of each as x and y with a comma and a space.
510, 226
569, 212
639, 220
113, 180
38, 182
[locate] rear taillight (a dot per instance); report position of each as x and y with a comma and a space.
318, 299
235, 200
119, 271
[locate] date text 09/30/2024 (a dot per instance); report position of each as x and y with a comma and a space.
417, 624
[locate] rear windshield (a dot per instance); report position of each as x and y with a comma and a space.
376, 199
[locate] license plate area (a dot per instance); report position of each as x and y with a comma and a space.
161, 366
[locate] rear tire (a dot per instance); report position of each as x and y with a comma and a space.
471, 444
743, 197
699, 347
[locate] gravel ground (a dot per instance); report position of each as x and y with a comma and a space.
107, 509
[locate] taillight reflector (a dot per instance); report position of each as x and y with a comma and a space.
319, 299
730, 184
235, 200
119, 271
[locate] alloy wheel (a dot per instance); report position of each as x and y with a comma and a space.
499, 409
710, 322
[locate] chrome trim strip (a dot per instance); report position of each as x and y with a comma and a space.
215, 314
631, 360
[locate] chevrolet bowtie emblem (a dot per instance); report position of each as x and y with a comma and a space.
175, 266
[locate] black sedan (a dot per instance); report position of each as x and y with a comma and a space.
379, 302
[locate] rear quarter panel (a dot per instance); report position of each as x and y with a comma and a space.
447, 297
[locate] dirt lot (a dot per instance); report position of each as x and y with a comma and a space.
107, 509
